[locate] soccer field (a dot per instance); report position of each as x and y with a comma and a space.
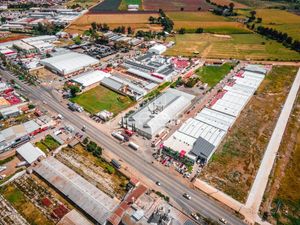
102, 98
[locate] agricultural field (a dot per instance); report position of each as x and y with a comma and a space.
282, 195
281, 20
233, 167
101, 98
94, 169
83, 3
124, 4
136, 21
227, 2
209, 22
176, 5
213, 74
235, 46
262, 3
106, 6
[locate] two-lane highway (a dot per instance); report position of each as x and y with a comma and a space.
175, 189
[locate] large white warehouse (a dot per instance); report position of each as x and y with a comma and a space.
69, 63
153, 117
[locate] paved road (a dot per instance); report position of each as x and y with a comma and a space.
199, 202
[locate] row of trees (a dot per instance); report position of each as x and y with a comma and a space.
280, 37
92, 147
47, 29
165, 21
198, 30
16, 69
148, 35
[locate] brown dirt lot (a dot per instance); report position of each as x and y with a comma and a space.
282, 196
233, 167
136, 21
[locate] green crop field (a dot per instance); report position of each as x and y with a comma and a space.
125, 3
213, 74
236, 46
209, 22
102, 98
281, 20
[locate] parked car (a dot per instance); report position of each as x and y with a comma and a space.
158, 183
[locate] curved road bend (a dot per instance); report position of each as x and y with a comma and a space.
199, 202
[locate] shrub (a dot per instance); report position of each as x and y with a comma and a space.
110, 169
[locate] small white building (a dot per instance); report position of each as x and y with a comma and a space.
157, 49
30, 153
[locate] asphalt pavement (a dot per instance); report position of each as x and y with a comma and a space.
199, 202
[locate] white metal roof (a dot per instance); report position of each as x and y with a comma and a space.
85, 195
30, 153
215, 118
69, 62
154, 116
90, 78
196, 128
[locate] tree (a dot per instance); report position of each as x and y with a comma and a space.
199, 30
94, 25
77, 40
105, 27
181, 9
259, 20
231, 6
74, 90
3, 19
181, 31
252, 15
31, 106
151, 19
129, 30
199, 8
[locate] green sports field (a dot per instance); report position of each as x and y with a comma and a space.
213, 74
102, 98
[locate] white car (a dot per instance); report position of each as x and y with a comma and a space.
223, 220
195, 216
187, 196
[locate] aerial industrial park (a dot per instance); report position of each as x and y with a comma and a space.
130, 112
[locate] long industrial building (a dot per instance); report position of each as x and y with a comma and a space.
152, 118
199, 137
69, 63
86, 196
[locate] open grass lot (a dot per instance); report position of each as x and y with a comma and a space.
176, 5
100, 98
282, 195
82, 3
213, 74
125, 3
27, 209
206, 20
238, 46
233, 167
136, 21
281, 20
